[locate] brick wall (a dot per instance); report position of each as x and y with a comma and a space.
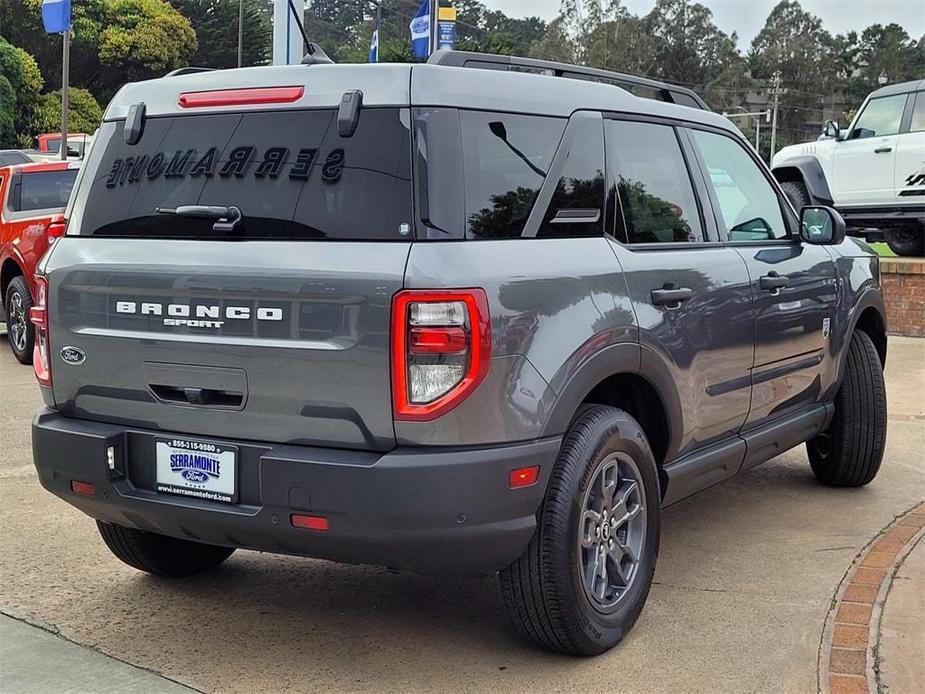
903, 281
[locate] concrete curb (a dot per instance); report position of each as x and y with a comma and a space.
849, 647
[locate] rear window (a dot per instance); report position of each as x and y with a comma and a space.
288, 172
41, 190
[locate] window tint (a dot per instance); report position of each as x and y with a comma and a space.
918, 114
651, 179
505, 162
289, 172
748, 204
882, 116
577, 205
42, 190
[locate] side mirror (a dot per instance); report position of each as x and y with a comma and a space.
831, 129
821, 226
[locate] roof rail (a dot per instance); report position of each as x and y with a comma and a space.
189, 71
640, 86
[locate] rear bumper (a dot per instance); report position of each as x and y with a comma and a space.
432, 510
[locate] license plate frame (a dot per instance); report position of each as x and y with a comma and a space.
196, 469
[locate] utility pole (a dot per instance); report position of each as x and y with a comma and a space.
240, 33
776, 91
65, 92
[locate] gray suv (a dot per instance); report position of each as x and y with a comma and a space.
478, 315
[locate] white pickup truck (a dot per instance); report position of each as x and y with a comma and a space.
873, 172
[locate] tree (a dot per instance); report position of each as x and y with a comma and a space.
112, 42
216, 24
794, 42
20, 84
886, 50
84, 113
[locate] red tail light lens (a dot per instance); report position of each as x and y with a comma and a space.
56, 230
241, 97
38, 314
441, 347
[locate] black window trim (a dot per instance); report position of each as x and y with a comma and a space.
905, 127
675, 125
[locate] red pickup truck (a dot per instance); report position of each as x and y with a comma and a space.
32, 202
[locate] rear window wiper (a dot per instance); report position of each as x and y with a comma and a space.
226, 218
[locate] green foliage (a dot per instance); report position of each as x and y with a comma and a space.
216, 24
20, 84
84, 113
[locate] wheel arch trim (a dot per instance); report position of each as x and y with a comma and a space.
808, 170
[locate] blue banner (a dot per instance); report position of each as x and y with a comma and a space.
420, 31
56, 15
446, 35
374, 46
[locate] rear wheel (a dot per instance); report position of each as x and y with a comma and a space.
849, 452
797, 193
20, 331
584, 578
167, 557
907, 240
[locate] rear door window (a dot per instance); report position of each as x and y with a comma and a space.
505, 161
289, 172
42, 190
651, 179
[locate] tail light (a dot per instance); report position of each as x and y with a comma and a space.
38, 314
56, 230
441, 346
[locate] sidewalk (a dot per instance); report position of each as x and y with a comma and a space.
33, 660
902, 629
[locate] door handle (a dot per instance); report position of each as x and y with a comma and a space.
883, 150
771, 282
669, 294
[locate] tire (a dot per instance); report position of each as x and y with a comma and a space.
797, 193
163, 556
546, 590
906, 241
849, 453
20, 331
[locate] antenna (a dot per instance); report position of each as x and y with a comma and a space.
314, 55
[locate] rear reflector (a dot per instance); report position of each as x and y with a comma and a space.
241, 97
524, 476
309, 522
85, 488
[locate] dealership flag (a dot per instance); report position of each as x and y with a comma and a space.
374, 46
56, 15
420, 31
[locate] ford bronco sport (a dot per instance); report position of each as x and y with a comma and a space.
873, 172
449, 318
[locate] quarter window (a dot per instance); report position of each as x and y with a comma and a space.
881, 116
649, 174
505, 160
748, 204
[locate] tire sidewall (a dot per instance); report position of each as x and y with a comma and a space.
602, 630
18, 286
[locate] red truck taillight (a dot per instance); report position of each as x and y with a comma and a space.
441, 347
38, 314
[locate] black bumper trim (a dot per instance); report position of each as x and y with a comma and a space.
431, 510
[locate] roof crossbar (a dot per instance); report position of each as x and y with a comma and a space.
640, 86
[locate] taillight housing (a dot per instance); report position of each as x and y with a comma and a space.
56, 230
441, 349
38, 314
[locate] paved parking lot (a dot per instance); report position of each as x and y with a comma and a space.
745, 579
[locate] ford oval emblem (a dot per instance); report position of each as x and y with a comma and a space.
195, 476
73, 355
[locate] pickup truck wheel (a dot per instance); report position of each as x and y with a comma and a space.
848, 454
167, 557
583, 579
907, 241
797, 193
20, 331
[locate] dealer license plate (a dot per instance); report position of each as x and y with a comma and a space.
197, 469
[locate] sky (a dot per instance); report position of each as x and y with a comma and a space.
746, 17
